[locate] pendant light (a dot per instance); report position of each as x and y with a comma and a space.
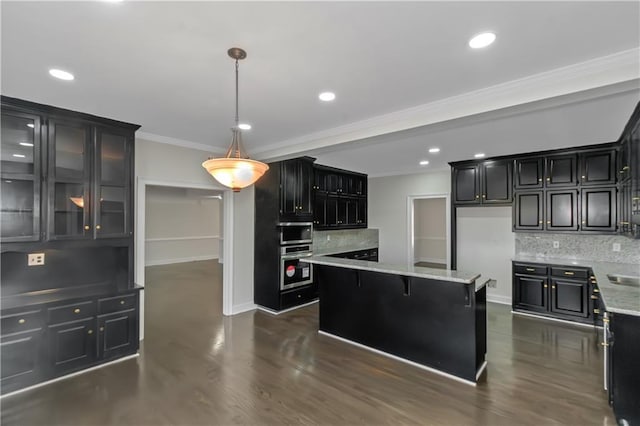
235, 170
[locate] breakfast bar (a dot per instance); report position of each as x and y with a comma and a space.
434, 319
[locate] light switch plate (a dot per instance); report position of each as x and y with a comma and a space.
616, 246
556, 244
35, 259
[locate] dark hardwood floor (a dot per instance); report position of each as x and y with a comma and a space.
198, 367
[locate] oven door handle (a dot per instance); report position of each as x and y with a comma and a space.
296, 256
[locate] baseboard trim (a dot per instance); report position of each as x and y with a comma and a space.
272, 312
406, 361
67, 376
180, 260
496, 298
581, 324
243, 307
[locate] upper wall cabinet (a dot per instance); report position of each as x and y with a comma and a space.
598, 167
489, 182
296, 178
65, 175
340, 198
529, 173
561, 170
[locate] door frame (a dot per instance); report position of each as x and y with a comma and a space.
411, 223
227, 239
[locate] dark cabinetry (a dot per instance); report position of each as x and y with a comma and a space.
556, 291
296, 177
340, 199
623, 352
629, 175
50, 340
489, 182
370, 255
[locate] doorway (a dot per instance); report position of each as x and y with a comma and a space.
429, 231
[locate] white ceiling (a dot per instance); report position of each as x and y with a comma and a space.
404, 76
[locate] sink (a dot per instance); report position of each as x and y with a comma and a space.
624, 280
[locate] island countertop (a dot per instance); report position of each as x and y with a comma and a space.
623, 299
406, 270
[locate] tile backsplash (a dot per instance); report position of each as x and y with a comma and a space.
585, 247
326, 242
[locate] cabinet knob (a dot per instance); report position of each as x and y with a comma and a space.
540, 180
549, 222
540, 222
87, 227
122, 302
548, 179
484, 196
21, 321
98, 227
584, 221
625, 168
596, 311
624, 223
299, 296
595, 290
583, 177
545, 286
101, 328
605, 344
553, 287
621, 171
594, 297
76, 311
90, 332
477, 196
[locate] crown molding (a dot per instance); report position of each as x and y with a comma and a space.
152, 137
611, 71
405, 172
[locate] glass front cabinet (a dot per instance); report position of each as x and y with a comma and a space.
64, 177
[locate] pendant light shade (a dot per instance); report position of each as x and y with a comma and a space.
236, 170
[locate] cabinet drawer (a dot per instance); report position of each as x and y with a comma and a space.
118, 303
560, 271
71, 312
530, 269
298, 296
22, 321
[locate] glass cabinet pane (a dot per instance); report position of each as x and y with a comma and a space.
69, 206
112, 159
17, 218
71, 146
112, 211
18, 144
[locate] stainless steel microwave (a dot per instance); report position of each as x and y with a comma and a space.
296, 233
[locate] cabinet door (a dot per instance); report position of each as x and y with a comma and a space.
530, 292
334, 183
598, 167
358, 185
528, 211
69, 180
320, 210
529, 173
72, 345
342, 211
562, 210
20, 147
288, 188
625, 208
319, 180
331, 210
305, 181
624, 160
361, 218
21, 359
562, 170
598, 211
352, 211
466, 185
570, 297
112, 185
496, 182
117, 334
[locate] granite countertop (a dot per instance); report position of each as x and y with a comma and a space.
623, 299
59, 294
406, 270
345, 249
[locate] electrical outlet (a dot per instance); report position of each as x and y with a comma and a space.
616, 246
556, 244
35, 259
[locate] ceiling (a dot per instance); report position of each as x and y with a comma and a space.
559, 74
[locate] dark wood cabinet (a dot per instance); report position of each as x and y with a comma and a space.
466, 184
561, 170
528, 211
489, 182
598, 167
296, 178
623, 352
555, 291
562, 210
598, 212
340, 198
529, 173
71, 345
117, 334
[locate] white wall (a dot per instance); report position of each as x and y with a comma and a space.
181, 225
243, 242
486, 245
430, 230
388, 208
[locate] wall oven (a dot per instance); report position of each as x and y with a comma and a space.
294, 271
295, 233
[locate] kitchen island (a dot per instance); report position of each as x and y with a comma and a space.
434, 319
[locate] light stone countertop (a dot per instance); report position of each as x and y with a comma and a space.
406, 270
346, 249
623, 299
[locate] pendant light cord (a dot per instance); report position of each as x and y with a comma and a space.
237, 119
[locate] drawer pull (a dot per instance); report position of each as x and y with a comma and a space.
595, 290
101, 328
594, 297
76, 311
596, 311
531, 269
569, 273
21, 321
122, 302
605, 344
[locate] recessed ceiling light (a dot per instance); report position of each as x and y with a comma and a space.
424, 163
244, 126
26, 144
61, 74
8, 181
434, 150
18, 155
482, 40
327, 96
479, 155
31, 125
